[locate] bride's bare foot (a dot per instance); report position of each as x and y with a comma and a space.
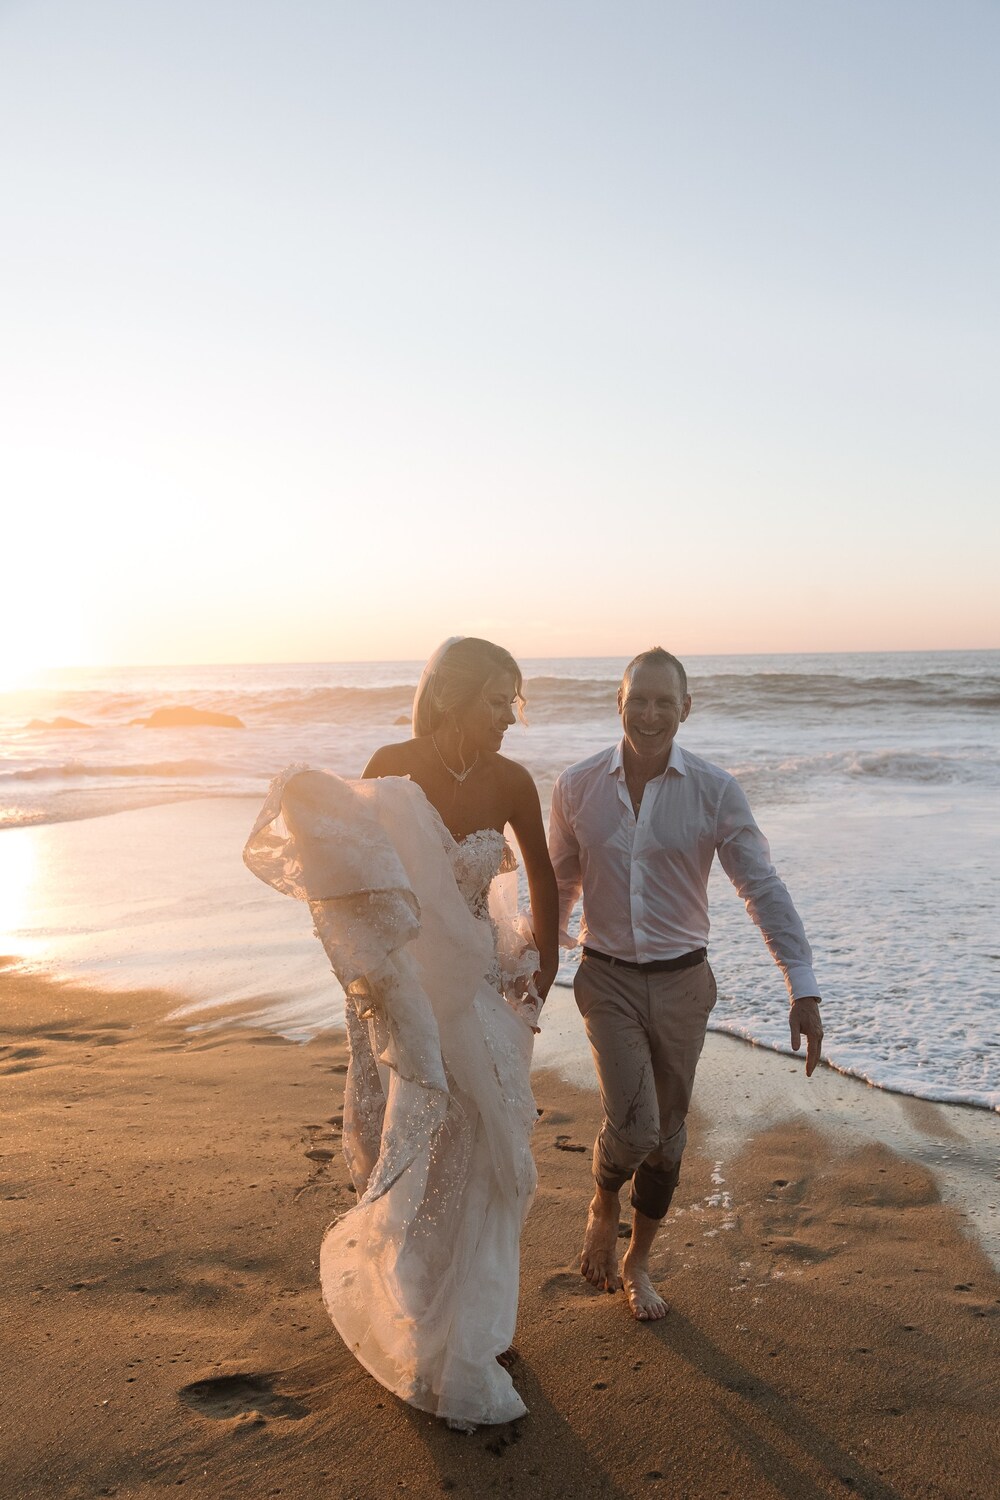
599, 1256
508, 1358
645, 1302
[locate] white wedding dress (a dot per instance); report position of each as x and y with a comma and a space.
421, 1276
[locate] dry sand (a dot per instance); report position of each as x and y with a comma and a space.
834, 1325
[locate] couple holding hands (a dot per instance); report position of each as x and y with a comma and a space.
413, 893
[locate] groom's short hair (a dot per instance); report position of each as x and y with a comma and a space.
656, 656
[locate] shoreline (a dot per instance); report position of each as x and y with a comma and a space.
160, 897
833, 1323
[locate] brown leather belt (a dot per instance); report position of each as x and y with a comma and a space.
655, 965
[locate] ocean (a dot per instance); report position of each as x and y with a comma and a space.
874, 776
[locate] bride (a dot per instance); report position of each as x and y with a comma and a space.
412, 890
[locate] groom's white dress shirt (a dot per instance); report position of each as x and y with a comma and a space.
645, 878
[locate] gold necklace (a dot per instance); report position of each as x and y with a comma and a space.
459, 776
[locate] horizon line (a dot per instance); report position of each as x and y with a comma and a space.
360, 661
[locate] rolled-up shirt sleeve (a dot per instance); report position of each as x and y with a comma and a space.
564, 851
746, 858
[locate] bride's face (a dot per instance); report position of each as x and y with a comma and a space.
484, 723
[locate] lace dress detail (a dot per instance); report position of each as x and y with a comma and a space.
486, 874
421, 1277
475, 861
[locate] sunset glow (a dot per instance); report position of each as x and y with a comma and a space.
401, 327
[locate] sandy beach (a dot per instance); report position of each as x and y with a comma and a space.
833, 1328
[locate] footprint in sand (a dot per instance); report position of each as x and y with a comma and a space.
223, 1397
320, 1154
317, 1152
560, 1283
796, 1249
563, 1143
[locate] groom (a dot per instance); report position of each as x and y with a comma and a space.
636, 827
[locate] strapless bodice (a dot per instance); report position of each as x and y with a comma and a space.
476, 861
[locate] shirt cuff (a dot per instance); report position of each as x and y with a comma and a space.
801, 982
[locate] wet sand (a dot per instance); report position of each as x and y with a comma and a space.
834, 1318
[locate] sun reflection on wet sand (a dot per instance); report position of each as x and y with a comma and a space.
19, 875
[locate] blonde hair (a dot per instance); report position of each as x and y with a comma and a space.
455, 677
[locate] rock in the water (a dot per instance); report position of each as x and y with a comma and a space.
172, 718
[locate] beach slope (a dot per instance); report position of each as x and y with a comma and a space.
834, 1325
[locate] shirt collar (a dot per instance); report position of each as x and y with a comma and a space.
675, 762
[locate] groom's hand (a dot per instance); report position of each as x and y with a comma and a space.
803, 1020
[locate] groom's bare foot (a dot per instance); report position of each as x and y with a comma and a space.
645, 1302
599, 1256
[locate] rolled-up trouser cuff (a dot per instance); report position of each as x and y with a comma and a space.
611, 1182
653, 1188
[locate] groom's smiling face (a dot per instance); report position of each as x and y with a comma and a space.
652, 707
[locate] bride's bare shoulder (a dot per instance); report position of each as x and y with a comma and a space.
515, 776
394, 760
518, 783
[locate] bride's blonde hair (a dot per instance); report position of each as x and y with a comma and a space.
455, 676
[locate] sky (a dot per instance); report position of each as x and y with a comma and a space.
328, 330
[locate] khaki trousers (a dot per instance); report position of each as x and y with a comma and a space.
646, 1032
